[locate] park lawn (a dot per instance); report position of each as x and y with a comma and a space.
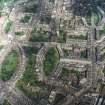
9, 66
50, 61
29, 78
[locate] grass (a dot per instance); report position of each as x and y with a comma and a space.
82, 37
0, 14
4, 1
9, 66
45, 19
83, 54
88, 18
95, 15
65, 73
102, 31
25, 19
3, 14
39, 36
8, 26
19, 33
29, 76
50, 61
1, 47
104, 71
66, 52
62, 36
31, 9
29, 80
